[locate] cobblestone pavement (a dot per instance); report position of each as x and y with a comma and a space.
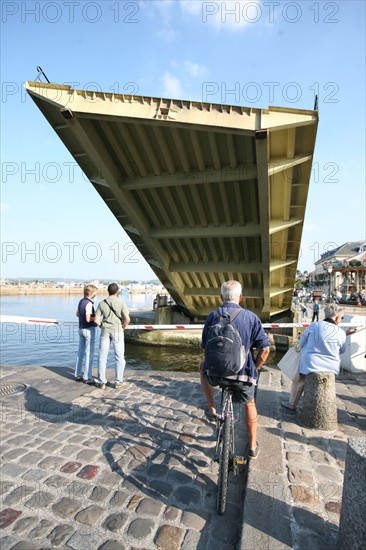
294, 491
131, 468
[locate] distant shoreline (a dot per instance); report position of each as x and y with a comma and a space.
24, 290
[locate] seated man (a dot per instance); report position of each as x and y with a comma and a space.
252, 336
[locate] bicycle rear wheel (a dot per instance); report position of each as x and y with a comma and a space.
224, 462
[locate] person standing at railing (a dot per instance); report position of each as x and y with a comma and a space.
113, 317
86, 315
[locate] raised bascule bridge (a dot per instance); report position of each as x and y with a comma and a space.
207, 192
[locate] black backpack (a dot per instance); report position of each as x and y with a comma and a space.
224, 350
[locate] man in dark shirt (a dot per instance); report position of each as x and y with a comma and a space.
253, 336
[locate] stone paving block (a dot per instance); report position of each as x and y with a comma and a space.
56, 482
84, 541
66, 507
87, 455
116, 521
150, 507
40, 499
134, 502
157, 470
193, 520
21, 441
112, 545
78, 489
187, 495
305, 495
169, 537
297, 474
19, 495
180, 476
88, 472
23, 524
14, 454
141, 528
8, 516
109, 479
60, 534
330, 473
12, 471
69, 450
25, 545
31, 458
61, 437
161, 488
99, 493
34, 475
51, 462
42, 529
172, 513
194, 540
50, 446
71, 467
118, 498
89, 515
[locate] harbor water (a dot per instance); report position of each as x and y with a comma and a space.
56, 345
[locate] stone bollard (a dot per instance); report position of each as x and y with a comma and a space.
319, 408
352, 526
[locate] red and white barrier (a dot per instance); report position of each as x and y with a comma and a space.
42, 321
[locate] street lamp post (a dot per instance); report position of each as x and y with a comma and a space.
330, 270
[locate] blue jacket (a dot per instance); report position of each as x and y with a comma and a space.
252, 334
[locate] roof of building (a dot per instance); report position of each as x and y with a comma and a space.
347, 250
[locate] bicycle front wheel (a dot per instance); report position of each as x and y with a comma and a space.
224, 461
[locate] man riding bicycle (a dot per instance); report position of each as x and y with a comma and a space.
252, 336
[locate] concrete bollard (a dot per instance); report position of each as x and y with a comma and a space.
352, 526
319, 408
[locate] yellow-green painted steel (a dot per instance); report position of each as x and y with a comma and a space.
206, 192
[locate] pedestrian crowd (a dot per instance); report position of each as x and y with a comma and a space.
112, 316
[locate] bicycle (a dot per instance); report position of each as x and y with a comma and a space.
225, 445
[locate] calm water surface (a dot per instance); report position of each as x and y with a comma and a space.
56, 345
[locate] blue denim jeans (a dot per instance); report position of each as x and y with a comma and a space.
86, 350
118, 341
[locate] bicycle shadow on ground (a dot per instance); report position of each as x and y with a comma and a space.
155, 460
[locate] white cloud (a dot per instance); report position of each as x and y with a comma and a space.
172, 85
195, 70
4, 206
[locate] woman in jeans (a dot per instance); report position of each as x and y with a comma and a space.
321, 346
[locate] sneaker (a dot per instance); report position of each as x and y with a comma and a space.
118, 385
100, 385
211, 416
253, 453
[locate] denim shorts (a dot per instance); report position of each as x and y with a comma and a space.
244, 392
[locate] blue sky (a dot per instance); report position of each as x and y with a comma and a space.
253, 53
